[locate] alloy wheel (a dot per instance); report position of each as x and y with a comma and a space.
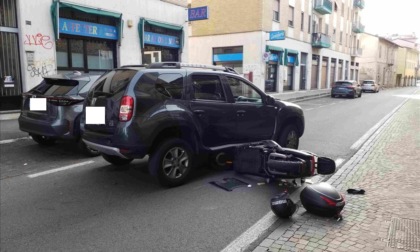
175, 162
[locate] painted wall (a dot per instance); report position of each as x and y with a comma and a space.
37, 38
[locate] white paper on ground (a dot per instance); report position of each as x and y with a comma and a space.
95, 115
38, 104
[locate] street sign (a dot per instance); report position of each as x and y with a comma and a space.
198, 13
277, 35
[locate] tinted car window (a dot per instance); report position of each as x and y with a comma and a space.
368, 82
115, 81
170, 85
242, 92
343, 83
208, 87
57, 88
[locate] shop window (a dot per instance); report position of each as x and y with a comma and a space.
85, 54
99, 55
62, 53
76, 53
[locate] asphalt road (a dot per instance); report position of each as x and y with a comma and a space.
96, 207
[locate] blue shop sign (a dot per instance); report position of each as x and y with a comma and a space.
161, 40
274, 57
291, 59
277, 35
87, 29
198, 13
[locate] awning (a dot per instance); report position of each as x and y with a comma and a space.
293, 52
57, 5
273, 48
277, 49
144, 21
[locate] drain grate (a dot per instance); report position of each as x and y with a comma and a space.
404, 234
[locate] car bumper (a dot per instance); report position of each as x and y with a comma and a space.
114, 145
55, 128
342, 92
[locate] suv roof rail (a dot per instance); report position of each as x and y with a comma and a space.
133, 66
179, 65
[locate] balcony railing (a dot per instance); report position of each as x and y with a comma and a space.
359, 4
356, 51
358, 28
321, 40
323, 6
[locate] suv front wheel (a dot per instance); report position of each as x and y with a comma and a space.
172, 162
289, 137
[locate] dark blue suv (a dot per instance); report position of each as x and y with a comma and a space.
175, 112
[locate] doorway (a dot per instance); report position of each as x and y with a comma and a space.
152, 57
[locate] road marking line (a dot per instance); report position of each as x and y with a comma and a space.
338, 162
13, 140
372, 130
60, 169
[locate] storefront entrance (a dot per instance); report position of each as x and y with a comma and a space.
10, 75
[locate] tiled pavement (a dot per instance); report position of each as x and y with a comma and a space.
387, 217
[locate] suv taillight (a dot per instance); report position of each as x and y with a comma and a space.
126, 108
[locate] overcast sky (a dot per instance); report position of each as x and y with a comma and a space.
385, 17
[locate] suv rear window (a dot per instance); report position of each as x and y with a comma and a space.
115, 81
58, 87
368, 82
343, 83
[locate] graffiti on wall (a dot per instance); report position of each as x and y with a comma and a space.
39, 40
42, 67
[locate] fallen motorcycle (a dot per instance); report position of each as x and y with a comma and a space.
269, 160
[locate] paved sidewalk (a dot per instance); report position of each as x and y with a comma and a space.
387, 217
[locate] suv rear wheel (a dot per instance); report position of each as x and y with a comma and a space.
116, 160
172, 162
289, 137
43, 140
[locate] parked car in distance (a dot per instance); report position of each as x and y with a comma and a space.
347, 88
178, 113
64, 95
370, 86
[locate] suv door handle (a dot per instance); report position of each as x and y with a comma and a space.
240, 112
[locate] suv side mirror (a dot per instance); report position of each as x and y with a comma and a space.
270, 100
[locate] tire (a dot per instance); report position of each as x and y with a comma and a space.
360, 95
116, 160
217, 161
354, 95
87, 150
332, 96
289, 137
44, 140
177, 154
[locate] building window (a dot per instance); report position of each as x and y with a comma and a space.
326, 29
380, 51
341, 37
333, 36
87, 55
276, 10
229, 57
309, 24
302, 20
291, 15
342, 9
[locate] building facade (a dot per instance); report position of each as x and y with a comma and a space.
379, 60
280, 45
44, 37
